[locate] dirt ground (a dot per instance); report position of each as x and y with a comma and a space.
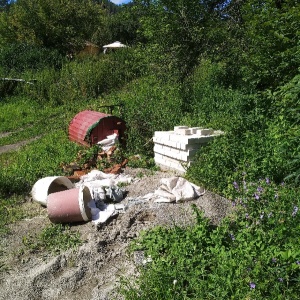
93, 271
16, 146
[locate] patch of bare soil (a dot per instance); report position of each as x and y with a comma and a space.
16, 146
94, 270
4, 134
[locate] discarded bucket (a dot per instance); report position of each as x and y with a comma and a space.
48, 185
70, 205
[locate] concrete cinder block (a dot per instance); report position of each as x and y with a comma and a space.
170, 153
180, 127
194, 129
158, 155
156, 140
184, 143
169, 164
176, 151
179, 138
194, 143
183, 131
188, 155
159, 149
205, 132
165, 135
169, 143
185, 139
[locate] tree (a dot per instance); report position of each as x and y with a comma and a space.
4, 5
63, 25
180, 31
124, 25
272, 35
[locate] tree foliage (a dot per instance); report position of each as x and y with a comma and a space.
272, 35
180, 31
63, 25
4, 5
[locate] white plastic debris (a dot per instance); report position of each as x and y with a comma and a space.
96, 178
99, 194
148, 196
165, 194
95, 175
104, 187
103, 214
108, 142
120, 207
96, 184
114, 193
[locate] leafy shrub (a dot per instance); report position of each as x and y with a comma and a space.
266, 32
209, 103
262, 135
260, 153
214, 168
149, 105
17, 58
253, 254
41, 90
86, 78
286, 126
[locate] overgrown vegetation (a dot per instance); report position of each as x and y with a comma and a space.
252, 255
232, 66
54, 238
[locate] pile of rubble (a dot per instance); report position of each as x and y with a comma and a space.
93, 158
97, 196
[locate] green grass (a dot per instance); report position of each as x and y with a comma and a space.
53, 238
20, 169
24, 119
11, 211
253, 254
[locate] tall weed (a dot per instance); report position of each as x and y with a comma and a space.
209, 103
19, 57
149, 105
253, 254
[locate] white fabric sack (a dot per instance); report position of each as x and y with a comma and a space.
179, 188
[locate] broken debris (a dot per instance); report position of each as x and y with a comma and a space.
177, 189
48, 185
103, 197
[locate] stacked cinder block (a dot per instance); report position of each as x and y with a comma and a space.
175, 149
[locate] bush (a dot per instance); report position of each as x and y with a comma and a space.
17, 58
149, 105
86, 78
208, 103
262, 134
253, 254
286, 126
